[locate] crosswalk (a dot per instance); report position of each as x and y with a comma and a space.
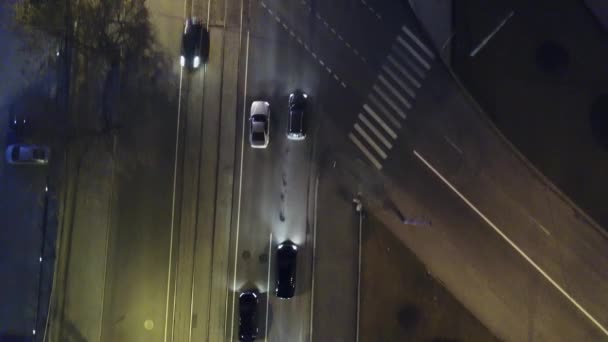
393, 94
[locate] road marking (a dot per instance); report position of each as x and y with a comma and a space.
381, 122
336, 77
417, 41
300, 41
514, 246
360, 243
403, 55
328, 69
452, 144
384, 111
321, 62
276, 17
314, 55
375, 131
404, 71
343, 84
365, 151
414, 53
492, 34
238, 208
389, 101
371, 9
263, 4
314, 254
370, 141
268, 285
285, 26
394, 91
545, 230
407, 89
270, 11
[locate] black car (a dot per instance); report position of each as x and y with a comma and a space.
19, 124
287, 255
195, 44
296, 127
248, 307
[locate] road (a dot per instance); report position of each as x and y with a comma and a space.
197, 214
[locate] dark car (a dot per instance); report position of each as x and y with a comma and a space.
248, 307
195, 44
296, 127
19, 124
287, 255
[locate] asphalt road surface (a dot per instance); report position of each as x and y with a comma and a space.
188, 238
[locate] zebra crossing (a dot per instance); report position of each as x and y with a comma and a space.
393, 94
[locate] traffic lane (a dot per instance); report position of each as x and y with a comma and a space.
474, 263
336, 61
138, 249
138, 252
520, 202
290, 318
336, 251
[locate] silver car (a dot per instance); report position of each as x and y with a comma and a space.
27, 154
259, 124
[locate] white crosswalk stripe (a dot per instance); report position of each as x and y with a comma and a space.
404, 71
365, 151
392, 96
390, 102
394, 91
370, 141
381, 122
414, 53
404, 57
376, 102
404, 86
417, 41
375, 131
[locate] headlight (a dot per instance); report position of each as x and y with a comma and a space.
196, 62
182, 60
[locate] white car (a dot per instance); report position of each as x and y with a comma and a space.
27, 154
259, 124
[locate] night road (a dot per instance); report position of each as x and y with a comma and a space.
168, 220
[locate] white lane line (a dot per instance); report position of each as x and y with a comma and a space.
270, 11
394, 91
545, 230
314, 254
321, 62
238, 208
454, 146
268, 285
390, 102
365, 151
300, 41
314, 55
370, 141
404, 86
340, 37
414, 53
491, 35
276, 17
375, 131
404, 71
403, 55
173, 199
263, 4
336, 77
514, 246
343, 84
417, 41
374, 100
381, 122
285, 27
328, 70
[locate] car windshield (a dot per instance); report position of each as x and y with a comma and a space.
38, 153
258, 118
258, 136
15, 153
190, 39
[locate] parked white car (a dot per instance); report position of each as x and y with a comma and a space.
27, 154
259, 124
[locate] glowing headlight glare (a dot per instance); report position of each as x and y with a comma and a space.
182, 60
196, 62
